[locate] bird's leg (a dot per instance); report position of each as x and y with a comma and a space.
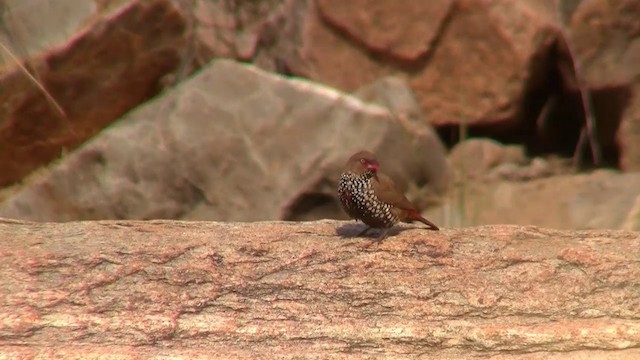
366, 229
383, 234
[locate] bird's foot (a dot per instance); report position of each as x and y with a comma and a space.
366, 230
383, 234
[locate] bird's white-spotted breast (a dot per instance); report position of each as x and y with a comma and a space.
359, 200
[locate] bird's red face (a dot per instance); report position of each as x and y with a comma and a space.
369, 164
362, 162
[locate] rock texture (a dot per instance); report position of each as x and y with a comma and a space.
475, 158
509, 70
233, 29
402, 29
603, 199
605, 34
30, 27
632, 220
467, 60
232, 143
289, 291
107, 68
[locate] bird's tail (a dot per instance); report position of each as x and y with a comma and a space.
415, 215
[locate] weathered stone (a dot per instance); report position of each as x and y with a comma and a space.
115, 63
232, 143
504, 68
231, 28
29, 27
604, 202
473, 158
478, 72
308, 47
605, 37
599, 200
403, 29
537, 168
467, 62
291, 291
632, 220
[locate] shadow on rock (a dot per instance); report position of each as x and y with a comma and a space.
361, 230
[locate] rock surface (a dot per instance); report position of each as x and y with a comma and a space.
111, 65
232, 143
287, 290
600, 200
233, 29
632, 220
474, 158
467, 62
402, 29
507, 69
30, 27
605, 34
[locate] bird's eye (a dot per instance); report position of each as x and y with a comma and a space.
363, 161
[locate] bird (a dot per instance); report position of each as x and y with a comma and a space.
368, 195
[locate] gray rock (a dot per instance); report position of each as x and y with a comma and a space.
29, 27
604, 202
231, 143
632, 220
599, 200
474, 158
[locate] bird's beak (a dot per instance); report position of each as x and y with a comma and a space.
373, 166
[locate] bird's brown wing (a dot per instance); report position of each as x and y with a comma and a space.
387, 192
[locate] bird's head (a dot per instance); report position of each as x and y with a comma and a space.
362, 162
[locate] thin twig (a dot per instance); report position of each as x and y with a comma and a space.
577, 154
590, 119
35, 81
544, 113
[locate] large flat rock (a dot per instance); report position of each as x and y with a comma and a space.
269, 290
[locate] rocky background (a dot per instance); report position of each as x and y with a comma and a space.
502, 111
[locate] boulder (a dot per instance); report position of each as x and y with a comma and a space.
632, 220
231, 143
111, 64
466, 60
605, 38
510, 70
475, 158
30, 27
402, 29
603, 199
232, 29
